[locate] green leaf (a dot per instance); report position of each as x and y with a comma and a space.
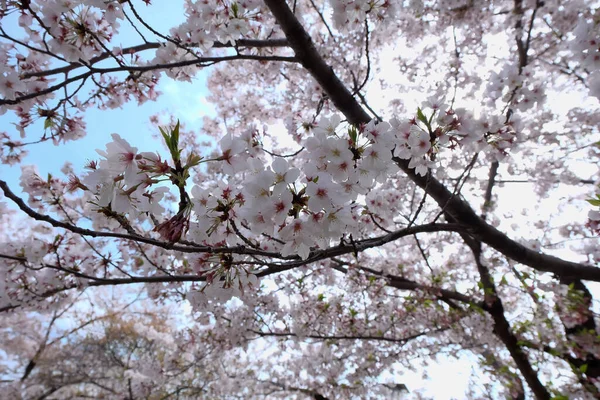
421, 117
583, 368
172, 142
48, 123
477, 309
594, 202
175, 136
554, 352
353, 133
165, 136
193, 160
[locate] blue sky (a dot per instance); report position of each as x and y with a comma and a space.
182, 100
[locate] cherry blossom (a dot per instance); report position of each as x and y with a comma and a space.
374, 184
284, 175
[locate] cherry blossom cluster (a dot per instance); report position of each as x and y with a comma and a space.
114, 93
208, 22
225, 21
586, 48
160, 361
87, 31
68, 31
230, 282
295, 210
13, 151
521, 88
349, 14
206, 222
123, 177
77, 28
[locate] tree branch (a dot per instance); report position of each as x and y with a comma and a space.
402, 340
463, 214
200, 62
502, 327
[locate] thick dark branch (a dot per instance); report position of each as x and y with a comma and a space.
309, 57
487, 200
30, 366
584, 331
517, 392
589, 325
521, 50
502, 327
463, 214
495, 307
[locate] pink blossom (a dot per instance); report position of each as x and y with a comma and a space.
121, 158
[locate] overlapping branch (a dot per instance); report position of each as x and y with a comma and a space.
382, 338
459, 209
200, 62
190, 247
